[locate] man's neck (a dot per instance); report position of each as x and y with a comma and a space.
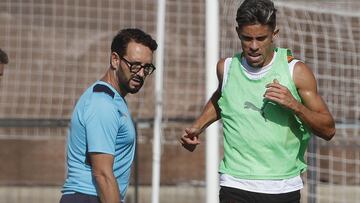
110, 78
257, 69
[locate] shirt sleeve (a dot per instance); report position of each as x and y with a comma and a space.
101, 124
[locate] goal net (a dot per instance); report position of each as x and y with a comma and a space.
58, 48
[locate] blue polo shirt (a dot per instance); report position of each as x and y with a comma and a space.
101, 122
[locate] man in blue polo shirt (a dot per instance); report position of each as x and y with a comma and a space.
101, 141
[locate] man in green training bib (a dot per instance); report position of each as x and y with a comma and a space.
269, 104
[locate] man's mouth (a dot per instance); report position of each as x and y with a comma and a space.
137, 81
254, 57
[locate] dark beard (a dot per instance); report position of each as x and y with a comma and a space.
137, 78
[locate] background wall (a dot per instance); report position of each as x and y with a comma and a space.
58, 48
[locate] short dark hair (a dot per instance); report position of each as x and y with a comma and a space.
125, 36
3, 57
253, 12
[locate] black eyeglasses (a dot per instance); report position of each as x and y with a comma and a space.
136, 67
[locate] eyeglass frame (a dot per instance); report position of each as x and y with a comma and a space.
132, 65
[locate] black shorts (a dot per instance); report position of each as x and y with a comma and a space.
79, 198
233, 195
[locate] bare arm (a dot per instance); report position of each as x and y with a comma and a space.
313, 111
102, 169
210, 114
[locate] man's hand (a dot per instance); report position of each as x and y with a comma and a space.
281, 95
190, 139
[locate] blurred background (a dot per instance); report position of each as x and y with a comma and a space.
57, 48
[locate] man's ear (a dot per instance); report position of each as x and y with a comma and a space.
275, 34
114, 60
237, 29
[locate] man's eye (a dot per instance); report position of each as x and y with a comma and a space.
136, 64
261, 38
246, 38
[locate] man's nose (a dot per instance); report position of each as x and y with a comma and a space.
254, 45
141, 72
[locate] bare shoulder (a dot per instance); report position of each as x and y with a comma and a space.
304, 77
220, 69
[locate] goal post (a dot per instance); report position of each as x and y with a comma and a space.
212, 132
158, 130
